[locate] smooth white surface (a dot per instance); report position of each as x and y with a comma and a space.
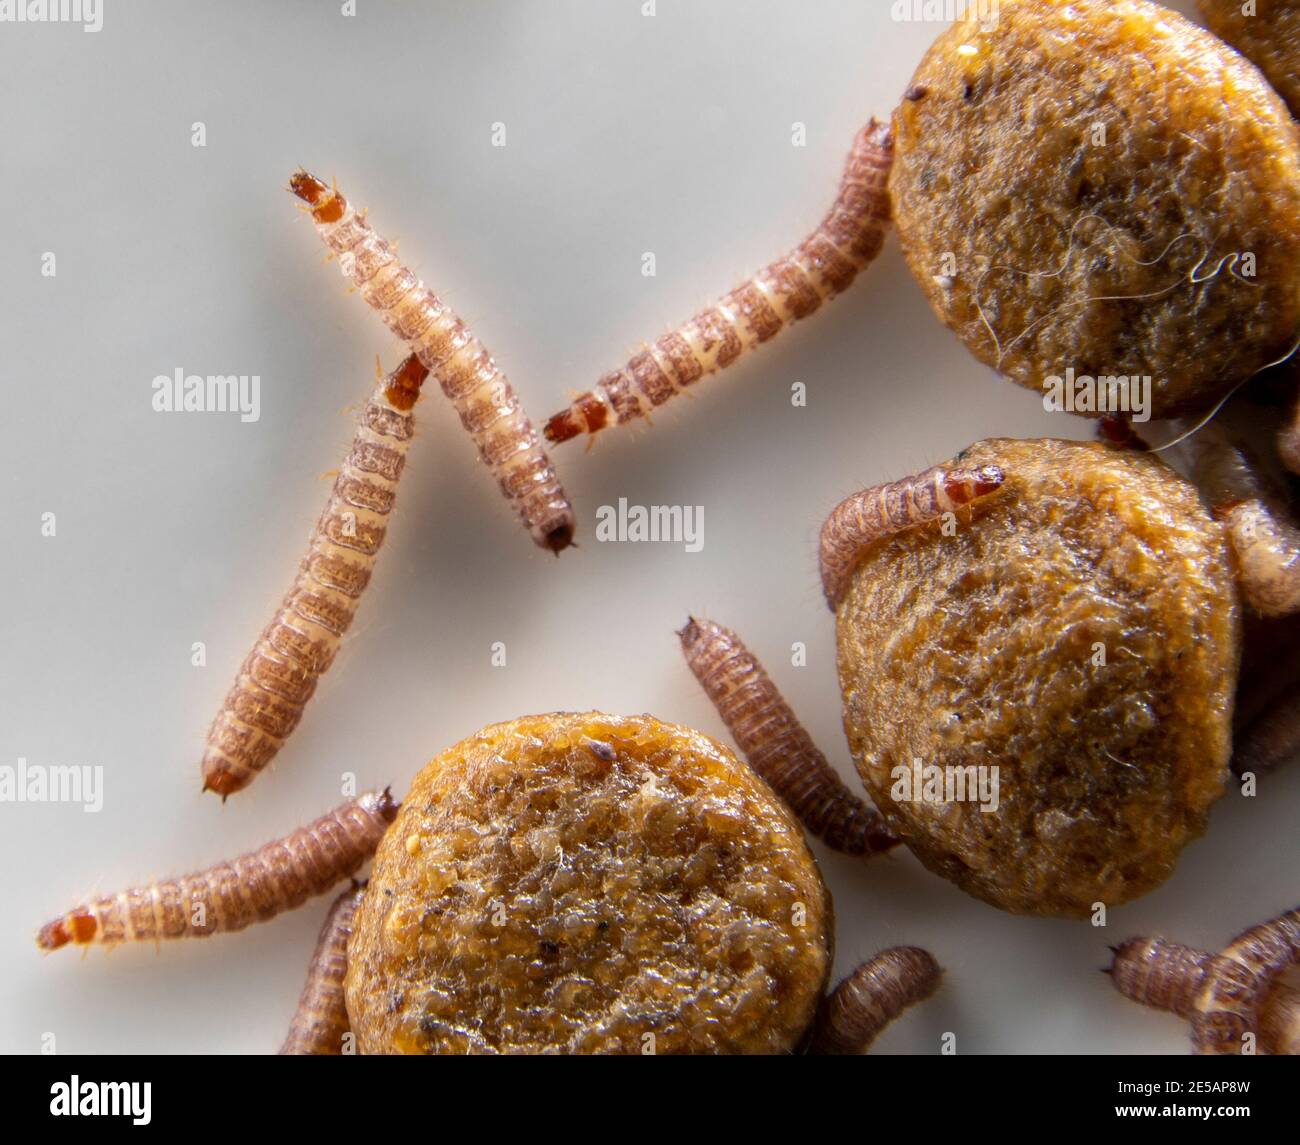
625, 134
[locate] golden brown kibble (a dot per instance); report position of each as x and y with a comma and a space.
775, 743
1228, 996
855, 1013
487, 404
280, 674
320, 1023
1080, 631
1079, 187
577, 879
845, 242
255, 887
1266, 32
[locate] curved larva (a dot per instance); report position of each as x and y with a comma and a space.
321, 1020
486, 402
279, 675
253, 888
823, 265
1228, 1006
861, 520
776, 744
1168, 976
1267, 545
861, 1006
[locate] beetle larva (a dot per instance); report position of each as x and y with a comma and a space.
485, 401
229, 896
823, 265
860, 1007
1228, 1006
883, 510
1169, 976
321, 1019
294, 650
1267, 544
776, 744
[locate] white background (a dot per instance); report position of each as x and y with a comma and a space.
625, 134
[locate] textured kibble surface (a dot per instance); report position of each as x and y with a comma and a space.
1081, 151
980, 648
589, 883
1268, 34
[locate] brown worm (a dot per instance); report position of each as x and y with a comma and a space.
859, 1008
823, 265
279, 675
1272, 738
861, 520
1228, 1006
229, 896
776, 744
1266, 543
1168, 976
321, 1020
485, 401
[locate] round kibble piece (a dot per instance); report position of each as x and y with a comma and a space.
1267, 33
1101, 186
592, 884
1078, 636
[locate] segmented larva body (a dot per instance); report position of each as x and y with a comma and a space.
1272, 738
229, 896
321, 1020
861, 520
485, 401
823, 265
1161, 974
1228, 1005
1267, 545
859, 1008
279, 675
776, 744
1169, 976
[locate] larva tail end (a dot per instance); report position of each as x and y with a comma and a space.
387, 807
222, 779
559, 538
696, 631
78, 927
